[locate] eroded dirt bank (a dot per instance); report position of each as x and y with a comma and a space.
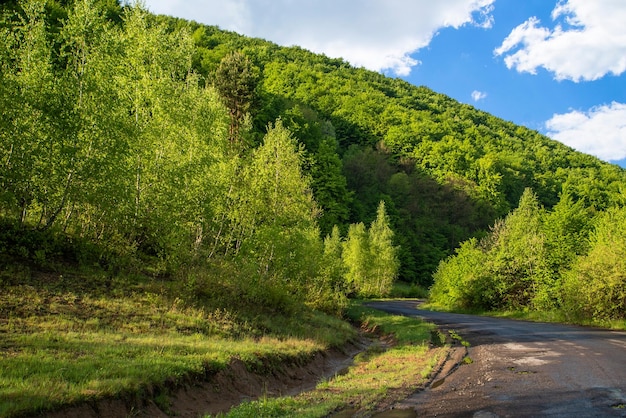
221, 391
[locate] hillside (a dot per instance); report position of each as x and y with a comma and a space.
170, 188
445, 170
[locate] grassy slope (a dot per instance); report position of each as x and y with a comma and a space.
67, 337
380, 376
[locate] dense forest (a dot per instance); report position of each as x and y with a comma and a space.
269, 175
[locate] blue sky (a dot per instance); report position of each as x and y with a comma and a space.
557, 66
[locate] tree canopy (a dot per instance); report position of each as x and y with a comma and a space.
142, 137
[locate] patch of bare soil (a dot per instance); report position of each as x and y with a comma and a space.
221, 391
454, 358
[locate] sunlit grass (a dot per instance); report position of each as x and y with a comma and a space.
65, 341
553, 316
378, 376
68, 367
404, 329
558, 317
406, 290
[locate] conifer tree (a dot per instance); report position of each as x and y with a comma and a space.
236, 80
384, 259
332, 268
329, 291
356, 258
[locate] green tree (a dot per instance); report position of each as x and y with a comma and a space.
369, 257
595, 287
96, 123
463, 281
384, 260
332, 266
517, 258
236, 80
330, 186
156, 82
328, 291
356, 258
508, 269
29, 150
566, 227
275, 214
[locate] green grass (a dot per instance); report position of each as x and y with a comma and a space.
558, 317
67, 337
71, 335
405, 330
402, 290
553, 316
379, 377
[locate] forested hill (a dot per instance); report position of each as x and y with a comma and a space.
180, 119
445, 169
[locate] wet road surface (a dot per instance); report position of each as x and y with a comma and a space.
523, 369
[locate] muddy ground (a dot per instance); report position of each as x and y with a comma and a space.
523, 369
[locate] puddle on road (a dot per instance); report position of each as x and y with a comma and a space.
392, 413
397, 413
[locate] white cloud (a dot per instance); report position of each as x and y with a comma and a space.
587, 42
601, 131
376, 34
478, 95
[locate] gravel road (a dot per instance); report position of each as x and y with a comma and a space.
523, 369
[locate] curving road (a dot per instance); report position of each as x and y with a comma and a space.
524, 369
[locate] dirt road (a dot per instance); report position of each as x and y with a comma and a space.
524, 369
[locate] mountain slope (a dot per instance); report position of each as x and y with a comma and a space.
446, 169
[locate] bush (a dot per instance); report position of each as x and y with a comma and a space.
595, 288
408, 290
463, 281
